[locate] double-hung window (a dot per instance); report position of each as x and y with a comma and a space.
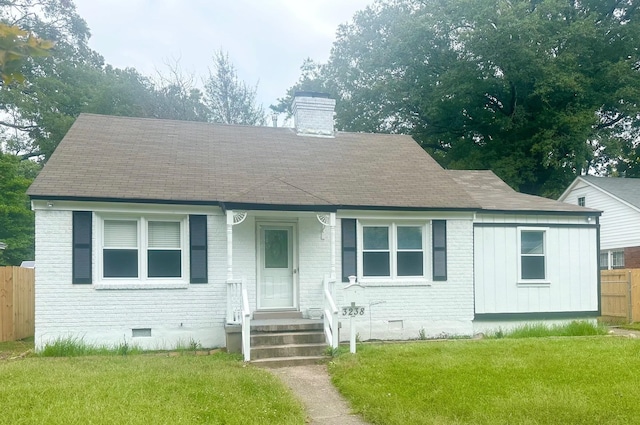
393, 251
532, 254
143, 248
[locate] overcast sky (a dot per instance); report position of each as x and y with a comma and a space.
267, 40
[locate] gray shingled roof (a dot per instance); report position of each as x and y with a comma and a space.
148, 159
627, 189
136, 159
492, 193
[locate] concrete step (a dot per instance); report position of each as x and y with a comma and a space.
289, 350
273, 326
283, 338
270, 315
276, 362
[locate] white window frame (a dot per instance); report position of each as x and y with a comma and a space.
393, 251
614, 264
582, 201
545, 254
142, 221
611, 255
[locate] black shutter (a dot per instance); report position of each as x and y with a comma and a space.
349, 250
439, 238
198, 248
81, 247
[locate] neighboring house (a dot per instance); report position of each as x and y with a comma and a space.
148, 230
619, 200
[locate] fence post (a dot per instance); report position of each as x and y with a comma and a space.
629, 299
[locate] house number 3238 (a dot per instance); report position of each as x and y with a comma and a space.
353, 311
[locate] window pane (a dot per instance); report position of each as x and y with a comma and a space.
532, 242
375, 263
120, 262
120, 234
375, 238
410, 263
276, 248
164, 234
604, 260
164, 263
533, 267
617, 259
409, 237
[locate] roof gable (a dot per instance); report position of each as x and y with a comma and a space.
625, 189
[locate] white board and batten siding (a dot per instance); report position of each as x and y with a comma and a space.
571, 267
619, 222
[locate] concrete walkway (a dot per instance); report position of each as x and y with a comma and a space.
312, 385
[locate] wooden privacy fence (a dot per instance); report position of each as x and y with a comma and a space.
17, 303
620, 295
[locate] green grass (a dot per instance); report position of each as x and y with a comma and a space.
142, 389
583, 380
631, 326
9, 349
538, 330
73, 347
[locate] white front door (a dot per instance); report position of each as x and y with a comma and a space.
276, 275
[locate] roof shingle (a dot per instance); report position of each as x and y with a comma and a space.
138, 159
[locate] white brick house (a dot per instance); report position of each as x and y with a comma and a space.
151, 231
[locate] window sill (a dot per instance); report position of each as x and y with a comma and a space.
394, 283
139, 285
533, 283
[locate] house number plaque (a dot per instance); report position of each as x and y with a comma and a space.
353, 310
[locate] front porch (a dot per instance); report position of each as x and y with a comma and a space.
283, 305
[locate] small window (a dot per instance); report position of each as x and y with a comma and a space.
410, 255
120, 254
617, 259
604, 260
581, 201
375, 251
532, 255
164, 257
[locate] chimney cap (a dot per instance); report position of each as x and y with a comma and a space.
312, 94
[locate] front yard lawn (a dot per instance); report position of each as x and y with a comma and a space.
142, 389
567, 380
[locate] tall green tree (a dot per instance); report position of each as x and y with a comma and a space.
229, 99
16, 217
536, 90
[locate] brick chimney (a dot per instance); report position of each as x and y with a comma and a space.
313, 114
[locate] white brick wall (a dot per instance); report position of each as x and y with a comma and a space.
440, 308
198, 312
314, 115
106, 317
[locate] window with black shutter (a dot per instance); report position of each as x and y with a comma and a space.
198, 248
439, 238
81, 247
349, 248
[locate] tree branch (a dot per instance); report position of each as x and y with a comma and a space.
614, 121
18, 126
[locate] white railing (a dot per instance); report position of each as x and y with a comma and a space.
234, 301
330, 315
246, 326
